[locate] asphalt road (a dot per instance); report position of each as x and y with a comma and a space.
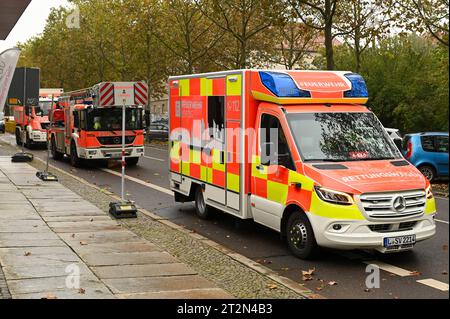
420, 273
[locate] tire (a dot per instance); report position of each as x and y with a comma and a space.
28, 142
57, 156
428, 171
202, 210
75, 161
18, 138
300, 236
132, 161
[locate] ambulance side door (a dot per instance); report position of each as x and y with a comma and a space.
270, 171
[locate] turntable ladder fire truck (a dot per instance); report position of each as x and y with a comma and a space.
87, 125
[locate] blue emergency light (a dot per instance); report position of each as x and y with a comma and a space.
282, 85
359, 87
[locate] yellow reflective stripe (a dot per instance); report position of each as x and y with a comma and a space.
258, 173
204, 173
195, 157
186, 168
234, 88
328, 210
430, 206
277, 192
206, 87
185, 87
233, 182
175, 150
307, 183
209, 175
289, 100
216, 161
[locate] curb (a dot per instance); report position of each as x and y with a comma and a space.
265, 271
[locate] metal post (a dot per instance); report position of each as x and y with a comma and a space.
50, 125
123, 151
24, 107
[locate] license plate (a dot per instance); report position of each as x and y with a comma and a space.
400, 240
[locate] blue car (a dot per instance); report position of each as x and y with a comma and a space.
428, 152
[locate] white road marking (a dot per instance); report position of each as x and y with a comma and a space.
136, 180
390, 268
434, 284
154, 158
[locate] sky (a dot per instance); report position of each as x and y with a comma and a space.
31, 23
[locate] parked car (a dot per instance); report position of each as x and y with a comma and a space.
157, 131
428, 152
2, 123
396, 137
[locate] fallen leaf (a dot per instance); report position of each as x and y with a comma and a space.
50, 296
285, 269
35, 226
272, 286
83, 243
415, 273
319, 288
332, 283
444, 247
445, 272
73, 235
307, 275
27, 254
367, 290
92, 219
81, 291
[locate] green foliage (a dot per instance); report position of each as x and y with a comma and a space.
407, 78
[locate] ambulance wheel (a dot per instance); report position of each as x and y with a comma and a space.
57, 156
132, 161
202, 210
75, 161
300, 236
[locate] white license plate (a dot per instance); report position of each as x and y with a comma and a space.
399, 241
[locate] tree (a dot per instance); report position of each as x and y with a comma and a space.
243, 21
367, 20
426, 15
293, 42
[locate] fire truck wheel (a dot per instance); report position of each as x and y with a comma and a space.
28, 142
300, 236
132, 161
75, 161
55, 154
18, 139
202, 210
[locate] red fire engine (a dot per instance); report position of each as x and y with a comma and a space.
87, 124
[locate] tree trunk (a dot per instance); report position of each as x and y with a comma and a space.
328, 33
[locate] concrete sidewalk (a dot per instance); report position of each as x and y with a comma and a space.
50, 237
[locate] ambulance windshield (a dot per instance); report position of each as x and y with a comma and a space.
341, 137
110, 119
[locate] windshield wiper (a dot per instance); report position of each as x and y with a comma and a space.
373, 158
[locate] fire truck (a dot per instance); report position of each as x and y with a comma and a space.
87, 125
298, 152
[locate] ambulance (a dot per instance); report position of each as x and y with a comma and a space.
87, 125
298, 152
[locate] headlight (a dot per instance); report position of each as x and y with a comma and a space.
334, 197
429, 193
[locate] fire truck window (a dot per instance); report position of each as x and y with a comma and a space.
76, 119
216, 114
83, 124
273, 143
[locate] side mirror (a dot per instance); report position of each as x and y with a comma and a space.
399, 143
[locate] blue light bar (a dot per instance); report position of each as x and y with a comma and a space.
282, 85
359, 87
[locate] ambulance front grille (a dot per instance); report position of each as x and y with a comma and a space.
394, 205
